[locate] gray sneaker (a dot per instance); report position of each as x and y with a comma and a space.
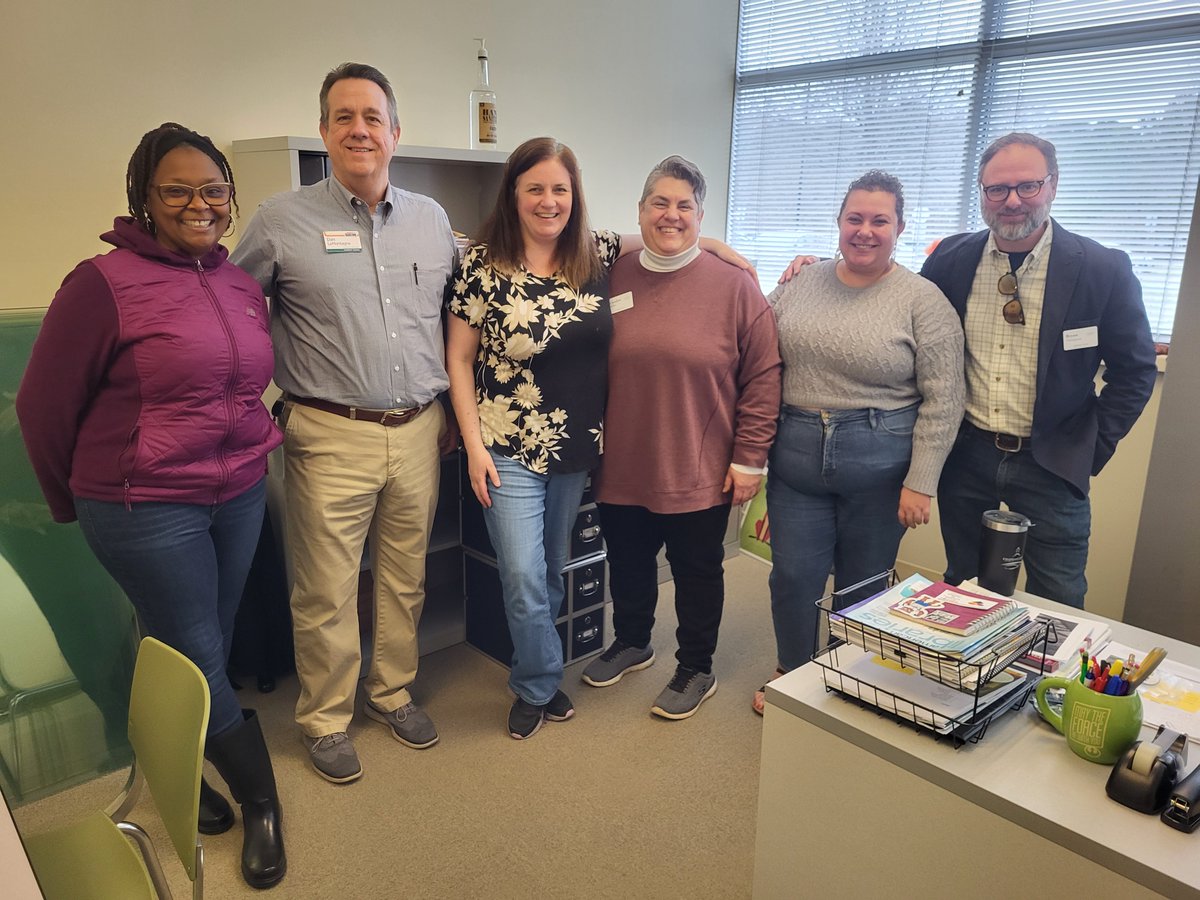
410, 724
683, 696
611, 665
334, 758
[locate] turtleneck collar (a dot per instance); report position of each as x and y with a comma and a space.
653, 262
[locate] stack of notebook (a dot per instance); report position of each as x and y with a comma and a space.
952, 634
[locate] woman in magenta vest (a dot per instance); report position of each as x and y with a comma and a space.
141, 410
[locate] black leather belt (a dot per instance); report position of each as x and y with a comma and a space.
1009, 443
388, 417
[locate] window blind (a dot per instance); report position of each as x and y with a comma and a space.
919, 88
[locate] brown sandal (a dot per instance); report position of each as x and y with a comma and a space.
760, 696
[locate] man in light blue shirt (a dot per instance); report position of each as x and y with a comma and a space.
355, 269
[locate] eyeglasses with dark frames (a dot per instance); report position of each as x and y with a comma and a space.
1026, 190
1013, 312
217, 193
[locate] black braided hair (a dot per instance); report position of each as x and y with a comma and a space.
153, 146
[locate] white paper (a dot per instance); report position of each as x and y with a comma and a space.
1170, 696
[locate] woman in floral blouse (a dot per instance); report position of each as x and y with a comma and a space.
527, 355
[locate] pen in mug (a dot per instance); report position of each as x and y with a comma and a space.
1149, 664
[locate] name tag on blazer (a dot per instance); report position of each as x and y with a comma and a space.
1081, 338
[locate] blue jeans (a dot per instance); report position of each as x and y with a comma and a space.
833, 494
977, 477
529, 523
183, 567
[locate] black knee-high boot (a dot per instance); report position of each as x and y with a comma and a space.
240, 755
216, 816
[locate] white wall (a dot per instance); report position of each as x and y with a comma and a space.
1165, 582
624, 83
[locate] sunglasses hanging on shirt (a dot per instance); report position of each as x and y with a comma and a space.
1013, 312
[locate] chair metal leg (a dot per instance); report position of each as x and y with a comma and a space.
198, 884
153, 866
122, 805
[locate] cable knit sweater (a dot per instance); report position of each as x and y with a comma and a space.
885, 346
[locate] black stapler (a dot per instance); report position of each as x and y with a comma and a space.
1183, 808
1145, 776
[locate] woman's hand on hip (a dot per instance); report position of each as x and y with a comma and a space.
481, 470
744, 486
914, 508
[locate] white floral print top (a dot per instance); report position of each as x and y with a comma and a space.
542, 370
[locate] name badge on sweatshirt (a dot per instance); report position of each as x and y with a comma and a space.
621, 302
342, 242
1081, 338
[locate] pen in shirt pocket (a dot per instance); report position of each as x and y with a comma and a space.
416, 280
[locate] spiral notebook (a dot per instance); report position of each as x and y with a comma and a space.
954, 609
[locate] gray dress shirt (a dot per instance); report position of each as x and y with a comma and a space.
356, 321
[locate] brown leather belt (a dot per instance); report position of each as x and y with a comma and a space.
388, 417
1008, 443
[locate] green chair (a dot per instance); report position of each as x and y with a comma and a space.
168, 717
54, 732
68, 636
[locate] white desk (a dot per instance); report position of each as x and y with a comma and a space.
854, 804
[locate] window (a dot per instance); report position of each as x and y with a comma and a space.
919, 88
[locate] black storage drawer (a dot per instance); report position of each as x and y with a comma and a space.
587, 537
580, 622
487, 626
587, 633
583, 585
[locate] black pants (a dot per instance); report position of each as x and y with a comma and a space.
696, 553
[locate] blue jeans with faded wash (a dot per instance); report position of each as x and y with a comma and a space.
833, 492
529, 523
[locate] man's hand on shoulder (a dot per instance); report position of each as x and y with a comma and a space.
795, 266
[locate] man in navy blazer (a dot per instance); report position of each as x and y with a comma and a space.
1041, 309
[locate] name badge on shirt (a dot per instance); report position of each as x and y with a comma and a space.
1079, 338
342, 242
621, 302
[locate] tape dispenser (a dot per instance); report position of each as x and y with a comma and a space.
1144, 777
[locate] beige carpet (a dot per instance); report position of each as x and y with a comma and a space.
613, 803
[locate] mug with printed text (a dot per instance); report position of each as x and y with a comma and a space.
1098, 727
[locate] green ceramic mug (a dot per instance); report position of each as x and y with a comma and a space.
1098, 727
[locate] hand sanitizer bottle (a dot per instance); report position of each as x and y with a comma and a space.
484, 116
